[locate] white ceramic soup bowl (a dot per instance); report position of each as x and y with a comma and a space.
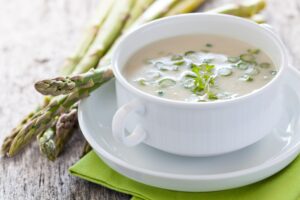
204, 128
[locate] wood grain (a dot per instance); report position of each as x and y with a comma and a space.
35, 37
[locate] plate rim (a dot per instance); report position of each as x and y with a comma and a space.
234, 174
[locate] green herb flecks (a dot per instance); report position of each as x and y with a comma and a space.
265, 65
249, 58
212, 96
176, 57
160, 93
252, 71
209, 45
188, 83
188, 53
246, 78
165, 66
208, 60
166, 82
243, 65
179, 63
273, 72
253, 51
141, 81
225, 71
233, 59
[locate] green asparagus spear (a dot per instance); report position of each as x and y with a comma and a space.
156, 10
245, 9
184, 7
107, 35
52, 141
8, 140
90, 34
258, 18
139, 7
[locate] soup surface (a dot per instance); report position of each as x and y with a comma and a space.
199, 68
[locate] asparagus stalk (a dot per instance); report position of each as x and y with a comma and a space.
86, 148
156, 10
258, 18
139, 7
107, 35
245, 9
52, 141
90, 34
8, 140
66, 85
184, 7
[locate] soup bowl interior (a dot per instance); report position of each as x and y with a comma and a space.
193, 24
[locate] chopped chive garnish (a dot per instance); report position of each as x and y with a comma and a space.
212, 96
233, 59
243, 65
205, 51
265, 65
247, 58
160, 93
273, 72
192, 65
188, 83
253, 51
165, 67
252, 71
225, 71
166, 82
176, 57
189, 74
209, 45
178, 63
148, 61
188, 53
152, 75
246, 78
208, 60
141, 81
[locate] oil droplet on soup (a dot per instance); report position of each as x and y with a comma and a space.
199, 68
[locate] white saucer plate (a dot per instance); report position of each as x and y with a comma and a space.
156, 168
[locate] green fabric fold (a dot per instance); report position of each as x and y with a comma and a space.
284, 185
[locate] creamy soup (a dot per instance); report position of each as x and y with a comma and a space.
199, 68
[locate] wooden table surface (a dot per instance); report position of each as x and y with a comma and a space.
35, 37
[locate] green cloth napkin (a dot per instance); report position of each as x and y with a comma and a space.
285, 185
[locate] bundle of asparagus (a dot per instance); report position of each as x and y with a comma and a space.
53, 122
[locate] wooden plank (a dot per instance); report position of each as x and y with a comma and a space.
34, 39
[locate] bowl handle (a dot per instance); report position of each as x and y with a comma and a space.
119, 124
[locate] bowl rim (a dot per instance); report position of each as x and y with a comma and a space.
145, 96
